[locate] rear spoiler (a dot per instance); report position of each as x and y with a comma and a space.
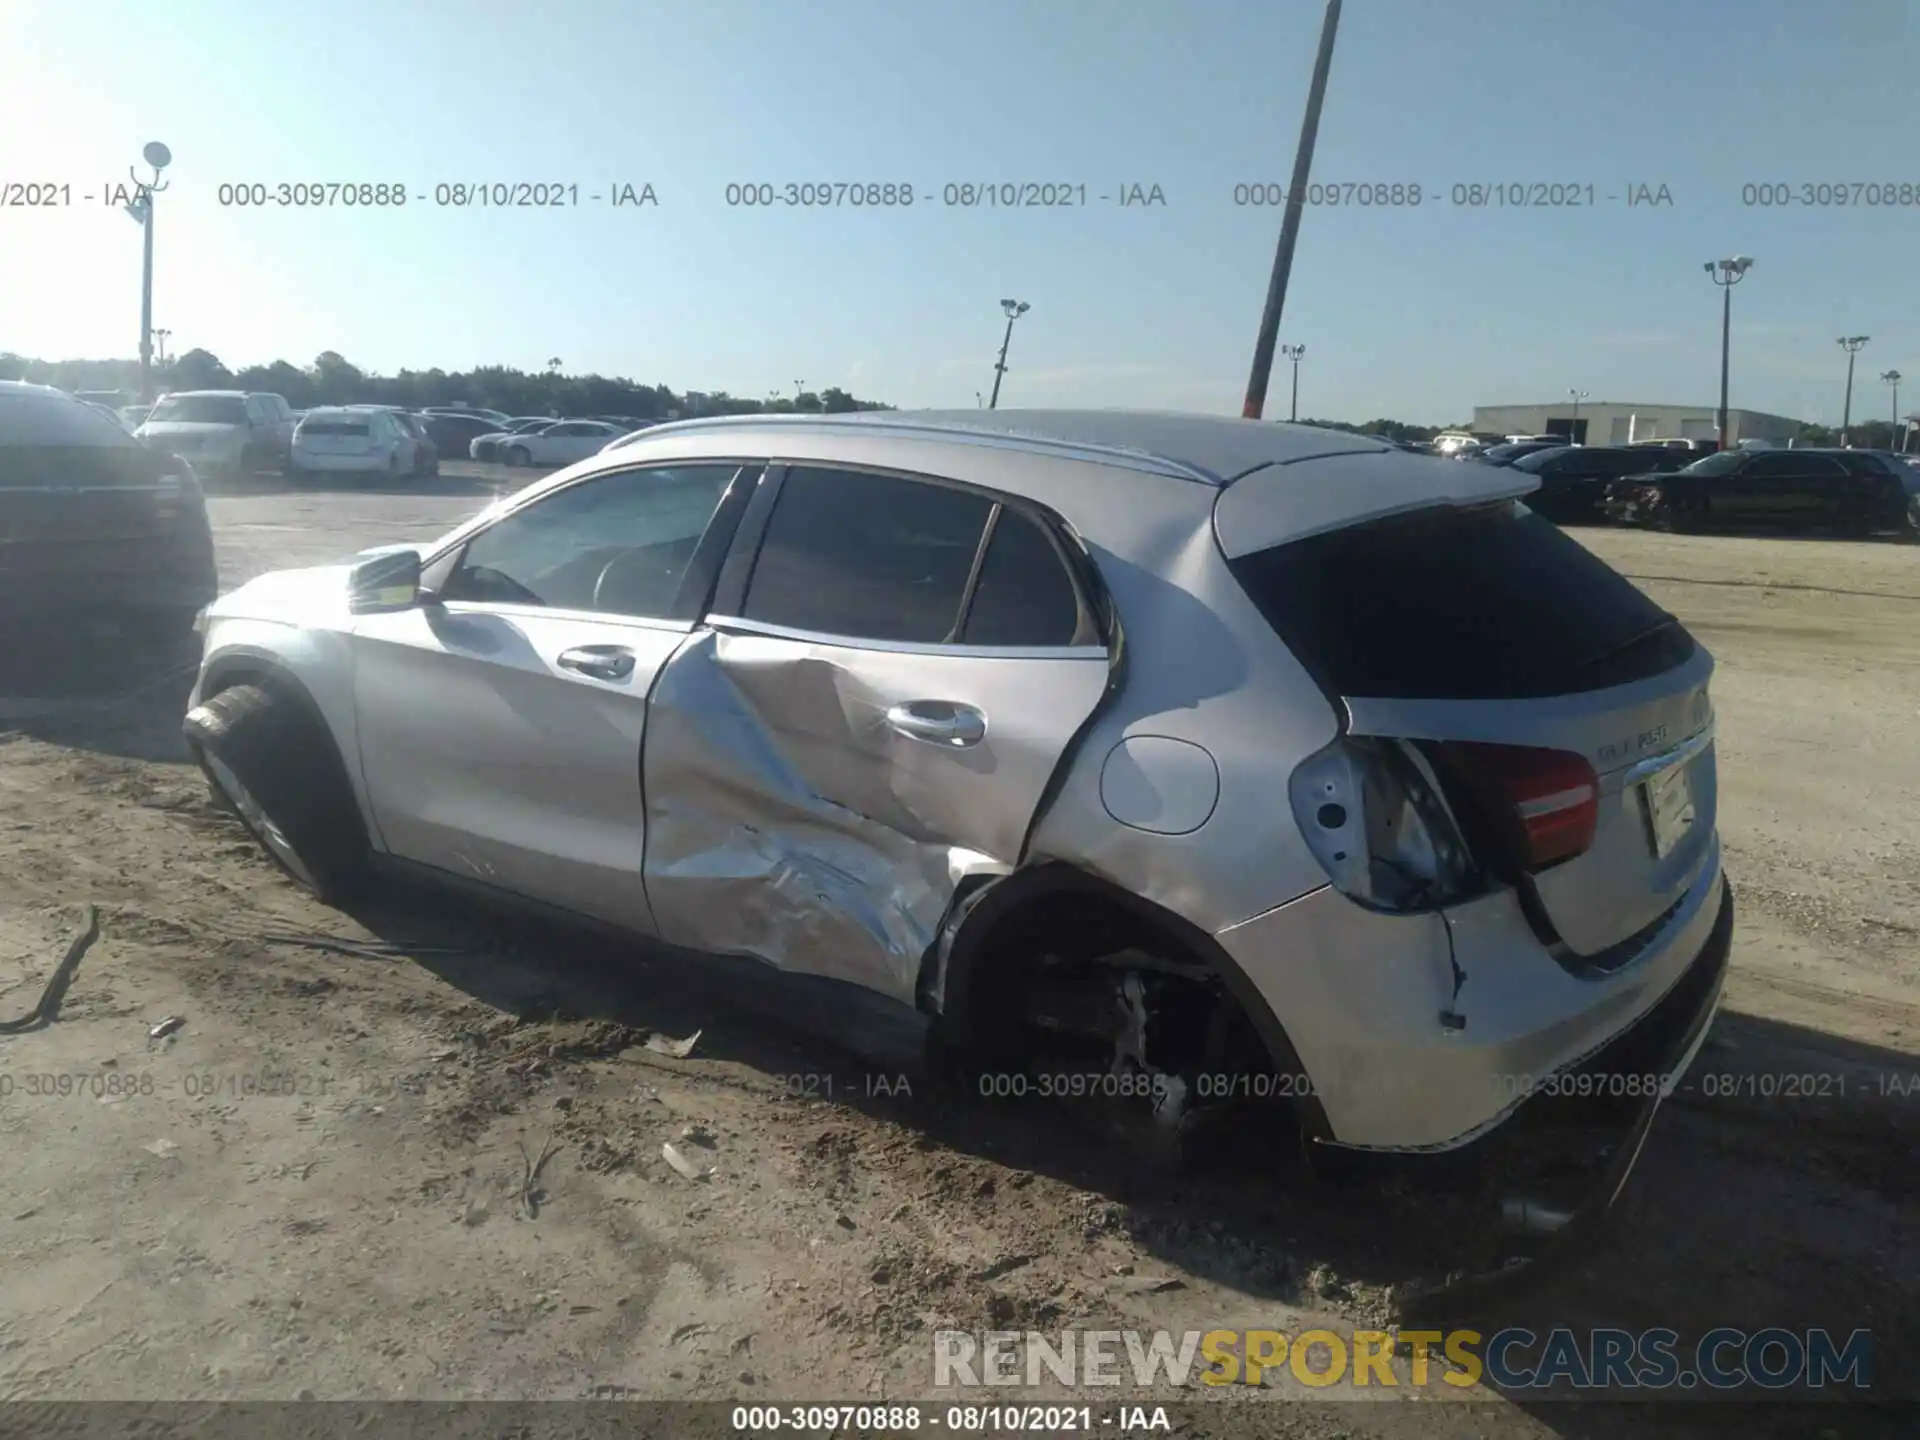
1280, 503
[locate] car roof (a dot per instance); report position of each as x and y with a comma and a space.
1208, 449
197, 394
29, 388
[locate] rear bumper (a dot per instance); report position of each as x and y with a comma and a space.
1360, 994
354, 464
167, 572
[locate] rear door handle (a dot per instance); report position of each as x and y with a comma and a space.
602, 662
939, 722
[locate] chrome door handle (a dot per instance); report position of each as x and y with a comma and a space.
940, 722
602, 662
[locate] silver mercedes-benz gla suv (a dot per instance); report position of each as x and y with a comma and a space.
1246, 757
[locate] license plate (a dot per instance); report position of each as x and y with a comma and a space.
1669, 801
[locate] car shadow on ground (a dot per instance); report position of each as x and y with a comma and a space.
96, 686
1747, 1210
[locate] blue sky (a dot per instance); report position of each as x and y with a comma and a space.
1417, 313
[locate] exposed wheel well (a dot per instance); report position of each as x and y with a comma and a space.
251, 670
1055, 938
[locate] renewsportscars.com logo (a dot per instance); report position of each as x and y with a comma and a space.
1511, 1359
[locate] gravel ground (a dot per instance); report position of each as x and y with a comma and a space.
319, 1184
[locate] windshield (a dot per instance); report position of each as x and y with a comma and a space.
1723, 462
201, 410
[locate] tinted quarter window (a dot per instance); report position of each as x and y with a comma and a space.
1485, 603
618, 544
1024, 595
870, 557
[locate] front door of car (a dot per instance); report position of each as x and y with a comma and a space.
500, 730
874, 713
1771, 488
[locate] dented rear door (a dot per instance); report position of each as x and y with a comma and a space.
876, 713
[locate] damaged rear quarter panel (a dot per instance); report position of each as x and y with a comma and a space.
1201, 666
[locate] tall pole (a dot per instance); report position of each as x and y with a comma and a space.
158, 157
146, 302
1293, 353
1726, 274
1851, 344
1014, 310
1726, 353
1573, 425
1898, 440
1256, 401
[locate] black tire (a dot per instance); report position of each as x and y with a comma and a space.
276, 768
519, 455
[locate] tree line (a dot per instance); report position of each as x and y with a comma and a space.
334, 380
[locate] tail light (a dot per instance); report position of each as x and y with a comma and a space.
1546, 802
1373, 814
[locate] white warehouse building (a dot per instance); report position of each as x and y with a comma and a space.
1611, 422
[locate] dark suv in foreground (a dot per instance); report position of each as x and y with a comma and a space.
1846, 492
92, 521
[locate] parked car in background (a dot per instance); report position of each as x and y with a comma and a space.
865, 710
220, 432
1513, 450
453, 434
112, 399
487, 447
93, 521
134, 416
559, 444
101, 407
1849, 492
1574, 478
1694, 446
423, 456
496, 419
346, 439
277, 411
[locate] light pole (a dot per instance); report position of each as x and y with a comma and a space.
1851, 344
1255, 404
1726, 274
1293, 353
1573, 426
140, 208
160, 346
1892, 377
1014, 310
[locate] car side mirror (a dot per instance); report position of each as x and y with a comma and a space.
385, 583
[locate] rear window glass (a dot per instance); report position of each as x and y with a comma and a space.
55, 420
333, 427
1486, 603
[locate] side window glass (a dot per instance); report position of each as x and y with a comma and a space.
1025, 596
618, 544
869, 557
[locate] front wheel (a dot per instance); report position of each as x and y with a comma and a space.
519, 455
273, 766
